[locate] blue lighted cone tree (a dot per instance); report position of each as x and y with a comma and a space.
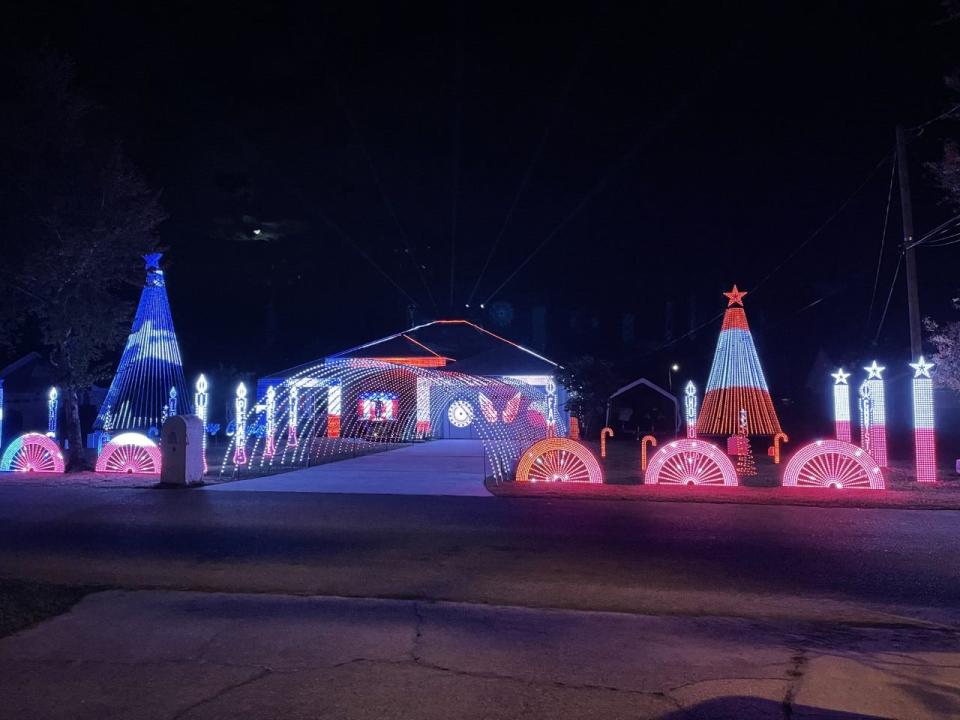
150, 364
736, 380
83, 215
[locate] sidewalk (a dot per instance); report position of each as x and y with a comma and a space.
145, 655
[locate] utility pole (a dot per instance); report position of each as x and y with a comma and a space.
906, 212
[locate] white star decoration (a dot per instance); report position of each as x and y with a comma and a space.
840, 377
874, 371
921, 368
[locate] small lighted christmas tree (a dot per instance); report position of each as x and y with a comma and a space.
746, 465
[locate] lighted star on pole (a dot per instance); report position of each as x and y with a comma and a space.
840, 377
735, 296
921, 368
874, 371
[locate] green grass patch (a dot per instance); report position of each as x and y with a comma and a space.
24, 603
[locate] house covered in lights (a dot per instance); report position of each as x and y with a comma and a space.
390, 404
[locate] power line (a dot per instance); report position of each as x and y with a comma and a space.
886, 307
315, 209
883, 238
457, 123
824, 225
932, 235
528, 173
383, 195
946, 113
940, 242
597, 188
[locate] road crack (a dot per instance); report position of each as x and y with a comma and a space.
221, 692
798, 666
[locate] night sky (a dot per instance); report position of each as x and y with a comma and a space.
654, 154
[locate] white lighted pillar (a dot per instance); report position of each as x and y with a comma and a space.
923, 428
841, 405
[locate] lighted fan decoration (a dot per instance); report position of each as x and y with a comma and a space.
558, 459
833, 464
690, 462
130, 453
32, 452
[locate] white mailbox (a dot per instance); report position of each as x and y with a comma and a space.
181, 447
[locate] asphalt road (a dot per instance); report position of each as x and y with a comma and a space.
682, 558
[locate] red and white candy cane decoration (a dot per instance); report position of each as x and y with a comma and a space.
647, 440
780, 437
923, 428
604, 434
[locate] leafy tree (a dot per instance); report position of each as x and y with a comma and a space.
946, 172
946, 339
82, 217
589, 382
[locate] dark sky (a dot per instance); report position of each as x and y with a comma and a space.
655, 153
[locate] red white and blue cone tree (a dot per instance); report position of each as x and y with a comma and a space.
736, 380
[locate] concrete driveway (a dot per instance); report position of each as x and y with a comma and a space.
441, 467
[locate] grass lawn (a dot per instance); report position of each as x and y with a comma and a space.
23, 604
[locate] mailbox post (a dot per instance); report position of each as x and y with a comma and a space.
181, 447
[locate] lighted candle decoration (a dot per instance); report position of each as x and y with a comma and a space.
551, 388
841, 405
690, 407
172, 402
293, 402
923, 428
423, 407
269, 447
334, 410
200, 398
53, 402
240, 435
874, 414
